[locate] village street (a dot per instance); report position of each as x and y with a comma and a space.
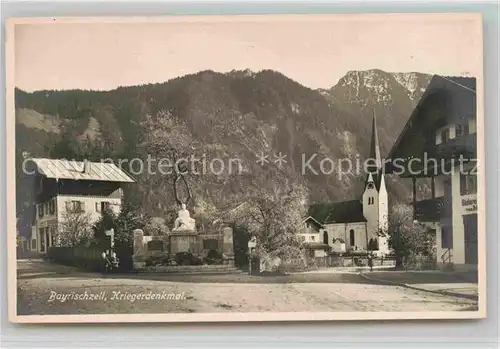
45, 288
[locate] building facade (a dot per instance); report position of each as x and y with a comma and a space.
312, 238
64, 187
439, 145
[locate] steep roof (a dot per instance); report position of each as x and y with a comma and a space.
311, 218
377, 180
375, 147
376, 168
65, 169
461, 81
466, 84
338, 212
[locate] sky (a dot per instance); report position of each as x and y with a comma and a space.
314, 50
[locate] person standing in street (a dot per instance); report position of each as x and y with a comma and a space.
370, 261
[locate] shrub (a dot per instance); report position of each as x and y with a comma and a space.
187, 258
213, 257
373, 245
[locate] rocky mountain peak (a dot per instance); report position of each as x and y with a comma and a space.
414, 83
378, 86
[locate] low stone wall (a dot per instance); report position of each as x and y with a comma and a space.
173, 243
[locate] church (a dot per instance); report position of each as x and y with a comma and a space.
353, 225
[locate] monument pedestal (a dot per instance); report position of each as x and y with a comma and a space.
184, 241
227, 246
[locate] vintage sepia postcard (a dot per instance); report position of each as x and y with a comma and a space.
245, 168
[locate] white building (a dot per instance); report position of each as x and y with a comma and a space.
438, 144
357, 223
311, 235
61, 185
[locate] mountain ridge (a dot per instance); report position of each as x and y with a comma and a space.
237, 113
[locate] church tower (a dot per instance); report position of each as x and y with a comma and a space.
375, 198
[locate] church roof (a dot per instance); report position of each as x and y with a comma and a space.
375, 167
338, 212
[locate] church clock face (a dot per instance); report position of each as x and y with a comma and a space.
370, 185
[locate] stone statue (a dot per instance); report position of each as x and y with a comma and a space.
184, 220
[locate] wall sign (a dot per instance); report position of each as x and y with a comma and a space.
469, 204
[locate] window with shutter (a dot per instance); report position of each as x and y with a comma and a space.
33, 215
445, 135
105, 206
52, 206
468, 184
462, 184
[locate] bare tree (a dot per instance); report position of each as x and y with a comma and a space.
75, 228
168, 140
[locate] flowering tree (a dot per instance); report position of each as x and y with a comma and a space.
406, 237
274, 215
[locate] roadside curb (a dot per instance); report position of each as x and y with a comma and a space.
443, 293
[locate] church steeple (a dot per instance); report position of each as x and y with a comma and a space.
374, 155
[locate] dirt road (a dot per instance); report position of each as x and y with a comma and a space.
50, 289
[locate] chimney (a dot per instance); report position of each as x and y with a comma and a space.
86, 166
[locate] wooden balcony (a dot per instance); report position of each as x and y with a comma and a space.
465, 146
431, 210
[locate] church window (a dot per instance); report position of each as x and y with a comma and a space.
370, 185
351, 237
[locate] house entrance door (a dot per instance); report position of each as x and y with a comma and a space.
470, 238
